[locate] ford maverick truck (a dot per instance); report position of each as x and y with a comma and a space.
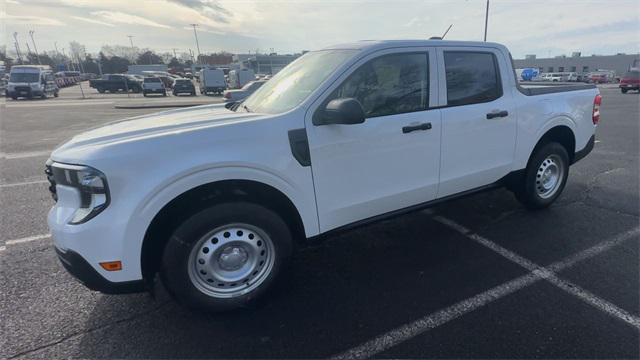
212, 200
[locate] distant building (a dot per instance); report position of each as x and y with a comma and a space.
580, 64
266, 64
216, 60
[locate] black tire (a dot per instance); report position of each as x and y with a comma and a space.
101, 90
528, 192
164, 93
193, 93
177, 253
624, 91
144, 93
56, 94
14, 97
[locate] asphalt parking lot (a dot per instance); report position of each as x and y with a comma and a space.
479, 277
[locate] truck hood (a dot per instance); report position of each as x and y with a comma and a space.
167, 122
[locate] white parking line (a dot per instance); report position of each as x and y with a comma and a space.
426, 323
411, 330
27, 239
24, 154
550, 275
23, 183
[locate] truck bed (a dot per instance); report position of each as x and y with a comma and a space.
535, 88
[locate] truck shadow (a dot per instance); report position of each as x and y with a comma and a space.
338, 294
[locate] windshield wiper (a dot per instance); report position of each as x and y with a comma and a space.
246, 107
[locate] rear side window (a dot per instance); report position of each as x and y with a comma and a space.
390, 84
152, 80
472, 77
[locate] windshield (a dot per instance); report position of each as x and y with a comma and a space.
152, 80
291, 86
24, 77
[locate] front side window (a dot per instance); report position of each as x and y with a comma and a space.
472, 77
390, 84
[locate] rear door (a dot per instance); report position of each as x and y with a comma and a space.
478, 118
389, 162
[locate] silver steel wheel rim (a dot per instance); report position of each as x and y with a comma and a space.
549, 176
231, 260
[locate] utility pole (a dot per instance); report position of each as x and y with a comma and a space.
196, 35
15, 37
28, 50
31, 32
174, 53
486, 21
133, 49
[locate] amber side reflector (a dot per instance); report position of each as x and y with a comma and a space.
111, 265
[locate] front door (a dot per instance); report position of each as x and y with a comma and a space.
389, 162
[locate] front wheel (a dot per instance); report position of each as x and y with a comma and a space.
226, 256
545, 176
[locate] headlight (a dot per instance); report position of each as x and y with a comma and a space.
90, 183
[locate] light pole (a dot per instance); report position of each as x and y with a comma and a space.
31, 32
133, 50
486, 21
15, 37
196, 35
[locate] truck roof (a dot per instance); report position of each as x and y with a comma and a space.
385, 44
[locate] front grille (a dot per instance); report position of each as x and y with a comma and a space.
52, 183
22, 89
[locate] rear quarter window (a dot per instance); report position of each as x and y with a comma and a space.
472, 77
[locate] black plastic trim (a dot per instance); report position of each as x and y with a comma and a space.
579, 155
77, 266
300, 146
395, 213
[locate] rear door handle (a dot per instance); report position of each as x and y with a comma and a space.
410, 128
498, 113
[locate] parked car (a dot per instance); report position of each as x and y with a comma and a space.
31, 81
184, 86
552, 77
115, 83
168, 81
153, 85
212, 81
241, 94
215, 199
630, 81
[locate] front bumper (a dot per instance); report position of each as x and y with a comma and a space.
77, 266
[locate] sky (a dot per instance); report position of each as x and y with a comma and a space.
542, 27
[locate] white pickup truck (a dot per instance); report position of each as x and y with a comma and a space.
214, 199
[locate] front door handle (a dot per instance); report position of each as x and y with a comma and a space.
497, 113
410, 128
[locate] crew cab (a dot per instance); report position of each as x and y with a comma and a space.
214, 200
115, 82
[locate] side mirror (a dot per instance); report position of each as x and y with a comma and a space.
347, 111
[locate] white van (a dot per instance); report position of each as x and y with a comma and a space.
240, 78
31, 81
212, 81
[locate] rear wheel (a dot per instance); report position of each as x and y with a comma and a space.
226, 256
545, 176
101, 90
624, 91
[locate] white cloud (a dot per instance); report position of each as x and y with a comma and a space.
120, 17
30, 20
92, 21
